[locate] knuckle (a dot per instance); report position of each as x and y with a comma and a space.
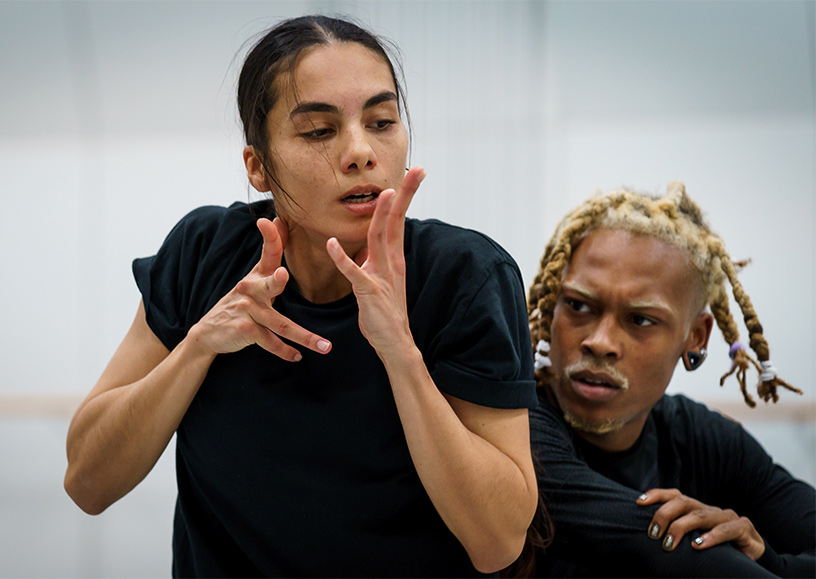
245, 326
284, 326
746, 522
699, 514
243, 287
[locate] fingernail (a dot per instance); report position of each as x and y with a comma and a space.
699, 540
323, 345
654, 531
668, 543
298, 357
643, 497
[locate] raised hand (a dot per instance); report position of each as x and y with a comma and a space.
377, 274
681, 514
246, 315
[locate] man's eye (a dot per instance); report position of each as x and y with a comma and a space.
577, 305
642, 321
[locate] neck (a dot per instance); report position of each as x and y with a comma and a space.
313, 271
613, 441
620, 438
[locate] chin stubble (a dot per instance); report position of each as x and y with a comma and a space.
606, 425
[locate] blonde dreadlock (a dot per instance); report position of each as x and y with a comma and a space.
674, 219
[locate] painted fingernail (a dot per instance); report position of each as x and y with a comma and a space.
643, 497
668, 543
654, 531
323, 345
699, 540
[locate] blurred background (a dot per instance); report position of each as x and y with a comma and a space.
116, 118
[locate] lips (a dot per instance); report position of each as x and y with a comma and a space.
595, 386
361, 194
596, 379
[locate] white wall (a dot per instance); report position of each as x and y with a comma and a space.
116, 118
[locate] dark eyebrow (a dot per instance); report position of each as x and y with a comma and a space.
317, 107
383, 97
312, 107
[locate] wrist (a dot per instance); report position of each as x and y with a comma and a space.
195, 347
401, 356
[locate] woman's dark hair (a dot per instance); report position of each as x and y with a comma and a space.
278, 51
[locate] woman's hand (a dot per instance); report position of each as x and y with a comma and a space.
680, 514
377, 273
246, 315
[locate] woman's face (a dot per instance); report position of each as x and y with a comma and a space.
336, 143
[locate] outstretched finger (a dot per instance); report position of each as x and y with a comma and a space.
281, 326
378, 228
272, 251
402, 200
350, 270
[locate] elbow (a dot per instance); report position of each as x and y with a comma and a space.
497, 555
500, 549
84, 493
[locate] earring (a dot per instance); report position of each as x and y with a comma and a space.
693, 360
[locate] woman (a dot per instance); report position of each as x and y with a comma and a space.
349, 388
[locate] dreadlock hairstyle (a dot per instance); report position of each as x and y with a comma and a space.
675, 219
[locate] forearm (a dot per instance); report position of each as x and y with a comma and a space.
118, 435
486, 497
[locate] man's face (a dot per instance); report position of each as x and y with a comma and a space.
623, 319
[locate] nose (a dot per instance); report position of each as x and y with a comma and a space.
357, 152
603, 340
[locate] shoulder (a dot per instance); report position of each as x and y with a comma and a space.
679, 413
432, 235
211, 218
451, 254
215, 229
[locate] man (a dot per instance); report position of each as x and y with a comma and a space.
638, 483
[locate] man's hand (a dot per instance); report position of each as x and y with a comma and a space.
680, 514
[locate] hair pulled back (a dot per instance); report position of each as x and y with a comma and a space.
278, 52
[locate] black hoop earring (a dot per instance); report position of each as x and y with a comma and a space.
695, 359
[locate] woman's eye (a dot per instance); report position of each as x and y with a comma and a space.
316, 134
381, 125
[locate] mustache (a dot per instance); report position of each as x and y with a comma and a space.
596, 365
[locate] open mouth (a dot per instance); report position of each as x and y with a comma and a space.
597, 380
361, 197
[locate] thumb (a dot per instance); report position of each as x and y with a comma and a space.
283, 230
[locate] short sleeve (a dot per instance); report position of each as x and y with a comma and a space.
167, 280
468, 315
486, 356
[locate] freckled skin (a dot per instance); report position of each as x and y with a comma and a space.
321, 155
626, 299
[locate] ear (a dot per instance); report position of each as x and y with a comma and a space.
694, 352
255, 170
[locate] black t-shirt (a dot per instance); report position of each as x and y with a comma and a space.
302, 469
600, 531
